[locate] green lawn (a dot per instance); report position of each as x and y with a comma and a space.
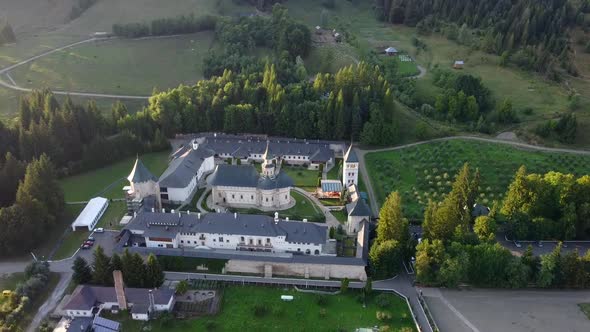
304, 209
112, 216
341, 215
53, 235
341, 312
9, 281
84, 186
302, 177
585, 307
192, 206
427, 171
120, 66
329, 58
336, 172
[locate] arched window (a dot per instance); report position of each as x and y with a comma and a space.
307, 252
316, 252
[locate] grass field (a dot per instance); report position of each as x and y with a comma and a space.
304, 208
426, 171
585, 307
120, 66
340, 313
302, 177
329, 58
9, 281
84, 186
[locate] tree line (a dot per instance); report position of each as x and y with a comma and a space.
459, 247
551, 206
536, 28
16, 306
49, 140
136, 272
182, 24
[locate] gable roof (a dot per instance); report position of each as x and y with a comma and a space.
184, 167
156, 224
358, 208
350, 156
86, 297
140, 173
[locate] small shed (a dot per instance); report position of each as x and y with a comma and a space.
458, 64
91, 214
391, 51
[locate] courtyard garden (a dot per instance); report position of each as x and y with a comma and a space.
304, 209
426, 171
261, 309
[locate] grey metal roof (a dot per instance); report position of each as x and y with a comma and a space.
243, 146
140, 309
246, 176
85, 297
80, 324
358, 208
156, 224
235, 176
140, 173
184, 167
109, 325
211, 254
350, 156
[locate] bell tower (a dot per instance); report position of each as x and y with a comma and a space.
350, 168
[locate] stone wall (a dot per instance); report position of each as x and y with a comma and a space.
305, 270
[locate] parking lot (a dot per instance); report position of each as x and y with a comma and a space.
506, 310
106, 240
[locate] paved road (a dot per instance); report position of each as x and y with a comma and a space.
13, 86
52, 301
331, 221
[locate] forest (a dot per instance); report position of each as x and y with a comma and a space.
535, 30
48, 141
458, 247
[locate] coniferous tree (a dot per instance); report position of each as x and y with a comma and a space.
102, 269
82, 271
154, 273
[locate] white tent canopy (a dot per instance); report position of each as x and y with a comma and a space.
91, 214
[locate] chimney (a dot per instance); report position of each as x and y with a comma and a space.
163, 210
188, 211
305, 220
172, 210
276, 217
120, 290
153, 210
199, 215
152, 301
195, 145
179, 214
134, 214
235, 215
286, 218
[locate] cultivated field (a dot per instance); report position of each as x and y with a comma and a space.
120, 66
340, 312
426, 171
84, 186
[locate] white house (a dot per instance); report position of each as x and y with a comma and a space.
91, 214
184, 173
242, 232
350, 168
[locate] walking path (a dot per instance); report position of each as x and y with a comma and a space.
51, 302
330, 219
12, 85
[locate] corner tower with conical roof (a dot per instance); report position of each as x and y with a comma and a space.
350, 168
142, 184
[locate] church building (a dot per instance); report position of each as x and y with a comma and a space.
350, 168
242, 186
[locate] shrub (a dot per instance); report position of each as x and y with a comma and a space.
321, 300
383, 316
260, 309
382, 300
323, 312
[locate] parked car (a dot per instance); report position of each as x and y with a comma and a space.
540, 244
85, 246
90, 243
99, 230
91, 238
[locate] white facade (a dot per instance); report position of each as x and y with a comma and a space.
353, 224
79, 313
179, 195
244, 242
140, 316
350, 173
244, 196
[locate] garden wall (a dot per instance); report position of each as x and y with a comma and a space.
306, 270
